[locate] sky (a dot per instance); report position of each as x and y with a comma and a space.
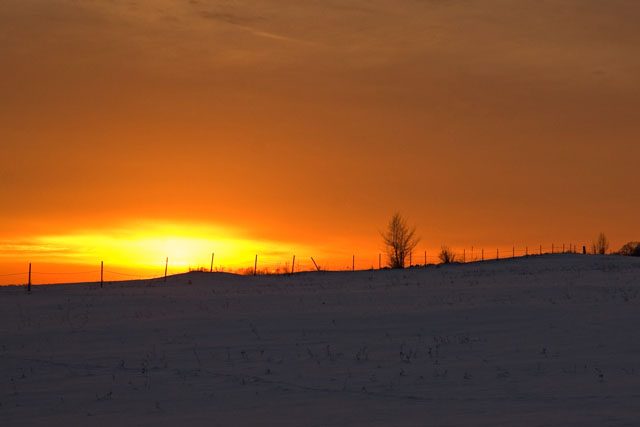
135, 130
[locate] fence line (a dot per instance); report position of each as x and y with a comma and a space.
352, 262
59, 272
12, 274
68, 273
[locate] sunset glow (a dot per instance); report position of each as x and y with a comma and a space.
329, 212
135, 131
144, 248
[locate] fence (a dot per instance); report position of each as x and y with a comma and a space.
352, 262
371, 261
97, 275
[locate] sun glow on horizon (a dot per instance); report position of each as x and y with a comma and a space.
148, 245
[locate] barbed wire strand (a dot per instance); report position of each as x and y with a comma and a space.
65, 273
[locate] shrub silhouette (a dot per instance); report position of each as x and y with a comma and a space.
446, 255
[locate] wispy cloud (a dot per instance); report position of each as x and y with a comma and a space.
247, 23
12, 249
268, 35
229, 18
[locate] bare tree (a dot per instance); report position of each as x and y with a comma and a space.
630, 249
601, 245
446, 255
399, 239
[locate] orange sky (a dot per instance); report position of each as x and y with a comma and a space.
289, 126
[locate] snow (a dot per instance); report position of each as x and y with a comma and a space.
542, 340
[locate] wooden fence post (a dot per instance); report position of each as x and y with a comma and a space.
497, 253
293, 265
314, 263
29, 282
482, 259
211, 269
464, 255
353, 263
255, 266
101, 273
166, 266
425, 258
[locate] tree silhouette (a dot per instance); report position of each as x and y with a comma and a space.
630, 249
399, 240
601, 245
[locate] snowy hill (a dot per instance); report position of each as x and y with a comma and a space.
544, 340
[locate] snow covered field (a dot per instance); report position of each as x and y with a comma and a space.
545, 340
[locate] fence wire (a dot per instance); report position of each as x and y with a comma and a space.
351, 262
